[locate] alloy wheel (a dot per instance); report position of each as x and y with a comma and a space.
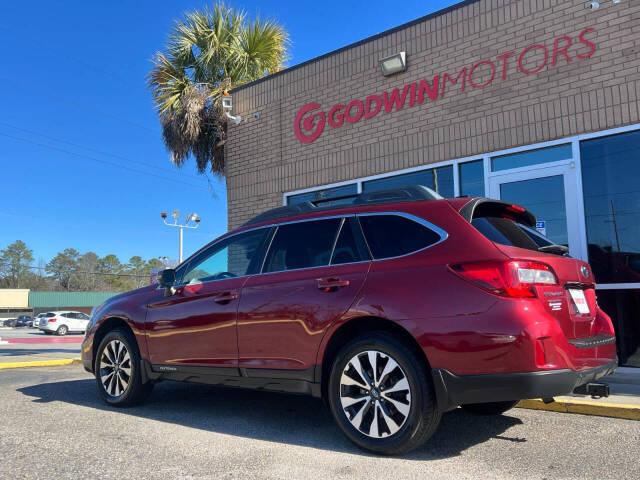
115, 368
375, 394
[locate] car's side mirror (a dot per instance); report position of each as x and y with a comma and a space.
166, 279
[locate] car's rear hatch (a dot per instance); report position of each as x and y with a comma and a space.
572, 300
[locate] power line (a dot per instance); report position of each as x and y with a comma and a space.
56, 54
67, 100
101, 152
99, 160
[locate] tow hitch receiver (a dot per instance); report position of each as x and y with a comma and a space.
596, 390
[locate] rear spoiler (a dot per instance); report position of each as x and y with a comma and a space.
487, 207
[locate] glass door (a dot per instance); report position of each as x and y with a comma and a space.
550, 193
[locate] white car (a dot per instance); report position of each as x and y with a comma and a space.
63, 322
36, 320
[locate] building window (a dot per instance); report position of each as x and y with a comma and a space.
610, 173
328, 197
472, 179
532, 157
437, 179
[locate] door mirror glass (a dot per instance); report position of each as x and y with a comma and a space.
167, 278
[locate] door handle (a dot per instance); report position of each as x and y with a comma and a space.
225, 297
331, 284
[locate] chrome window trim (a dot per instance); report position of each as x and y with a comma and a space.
266, 252
335, 241
187, 262
425, 223
421, 221
308, 268
303, 220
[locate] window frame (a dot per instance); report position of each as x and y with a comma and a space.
205, 253
361, 242
343, 218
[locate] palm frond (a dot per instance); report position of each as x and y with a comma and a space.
206, 53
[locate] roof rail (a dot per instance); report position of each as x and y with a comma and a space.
409, 193
280, 212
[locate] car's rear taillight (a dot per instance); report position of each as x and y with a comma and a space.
51, 320
514, 278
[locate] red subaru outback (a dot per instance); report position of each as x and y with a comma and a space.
394, 309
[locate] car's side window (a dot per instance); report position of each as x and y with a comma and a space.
302, 245
229, 258
349, 247
391, 235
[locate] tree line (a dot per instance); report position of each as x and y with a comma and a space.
71, 270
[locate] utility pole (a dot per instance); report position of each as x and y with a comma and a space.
615, 224
191, 217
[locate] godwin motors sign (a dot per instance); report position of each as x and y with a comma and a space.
309, 123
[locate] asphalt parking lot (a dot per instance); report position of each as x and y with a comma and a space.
53, 425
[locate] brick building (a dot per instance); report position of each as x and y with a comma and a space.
532, 101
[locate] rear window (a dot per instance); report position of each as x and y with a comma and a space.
48, 315
508, 232
393, 235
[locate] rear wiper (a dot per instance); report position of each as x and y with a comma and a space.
555, 249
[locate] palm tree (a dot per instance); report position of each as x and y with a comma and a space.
207, 53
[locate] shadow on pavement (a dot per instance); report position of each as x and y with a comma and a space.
270, 416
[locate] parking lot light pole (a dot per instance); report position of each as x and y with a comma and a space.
191, 217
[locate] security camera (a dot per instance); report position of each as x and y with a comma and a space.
227, 106
593, 5
227, 103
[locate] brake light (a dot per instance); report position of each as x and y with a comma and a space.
51, 320
514, 278
516, 208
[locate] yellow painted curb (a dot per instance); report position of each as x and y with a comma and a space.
40, 363
585, 407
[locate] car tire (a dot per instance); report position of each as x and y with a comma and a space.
385, 424
62, 330
117, 371
493, 408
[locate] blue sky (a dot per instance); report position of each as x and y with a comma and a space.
82, 163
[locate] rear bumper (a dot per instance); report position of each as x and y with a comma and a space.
453, 390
